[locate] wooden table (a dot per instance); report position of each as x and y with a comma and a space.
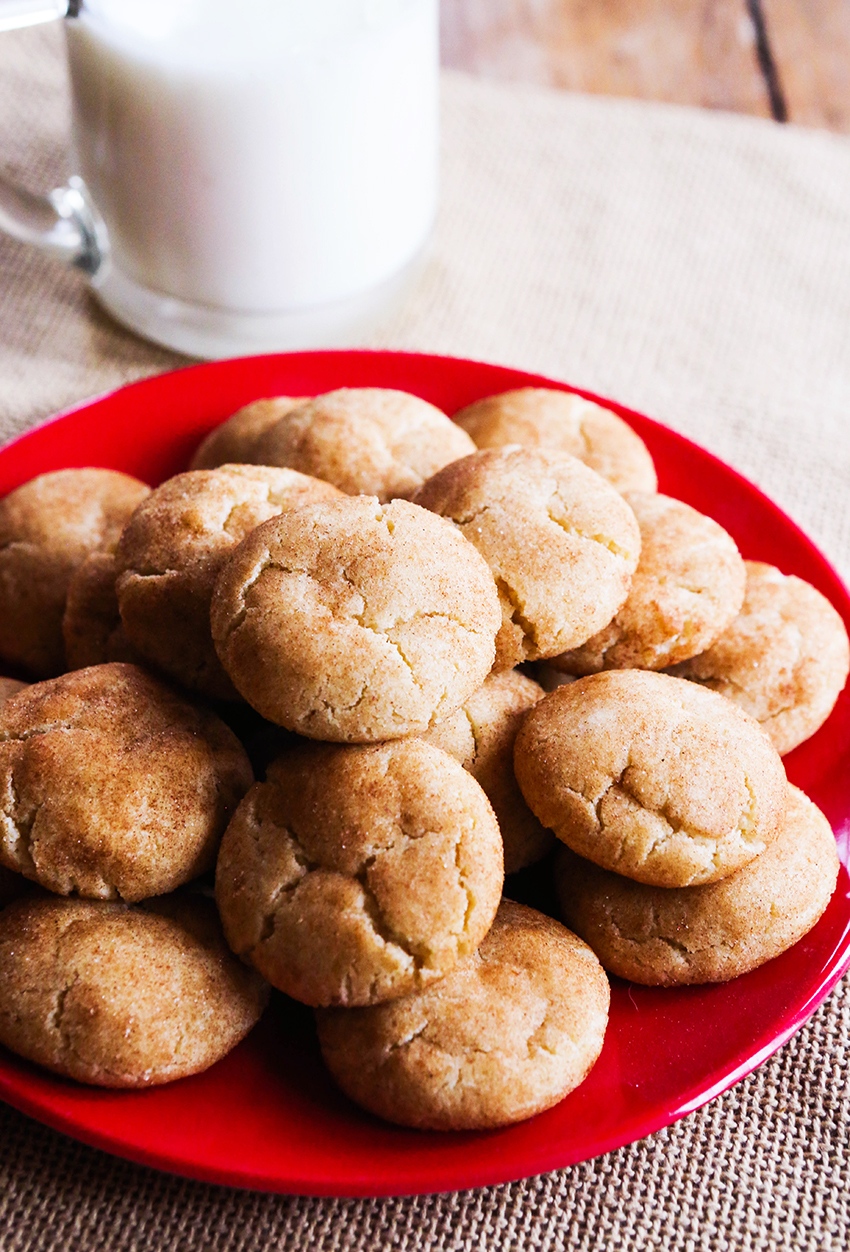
787, 59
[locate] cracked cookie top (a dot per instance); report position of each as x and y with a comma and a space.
666, 937
651, 776
688, 586
784, 659
48, 527
541, 417
114, 786
509, 1032
365, 440
481, 736
122, 997
171, 553
561, 543
353, 621
354, 875
234, 441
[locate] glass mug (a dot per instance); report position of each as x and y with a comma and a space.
255, 175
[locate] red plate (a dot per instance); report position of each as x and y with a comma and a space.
267, 1116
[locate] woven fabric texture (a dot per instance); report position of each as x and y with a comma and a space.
692, 265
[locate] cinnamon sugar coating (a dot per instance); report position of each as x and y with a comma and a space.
560, 421
688, 586
480, 735
114, 786
784, 659
171, 553
234, 441
667, 937
354, 875
509, 1032
117, 996
48, 527
365, 440
353, 621
561, 544
651, 777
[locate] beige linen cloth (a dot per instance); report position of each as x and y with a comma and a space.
693, 266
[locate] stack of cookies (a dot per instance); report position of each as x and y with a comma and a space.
354, 579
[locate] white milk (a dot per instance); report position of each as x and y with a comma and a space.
258, 156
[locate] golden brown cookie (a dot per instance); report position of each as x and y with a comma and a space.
353, 621
561, 543
118, 996
672, 937
47, 528
651, 777
233, 442
365, 440
687, 588
112, 785
480, 735
541, 417
91, 625
171, 553
784, 659
354, 875
512, 1030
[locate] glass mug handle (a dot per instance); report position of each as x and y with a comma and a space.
62, 222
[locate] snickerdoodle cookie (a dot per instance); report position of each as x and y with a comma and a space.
172, 550
512, 1030
688, 586
233, 442
354, 875
358, 874
481, 736
47, 528
561, 543
651, 777
365, 440
112, 785
119, 996
784, 659
541, 417
670, 937
354, 621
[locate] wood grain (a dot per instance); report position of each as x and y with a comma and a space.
809, 42
700, 52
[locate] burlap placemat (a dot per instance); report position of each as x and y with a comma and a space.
694, 266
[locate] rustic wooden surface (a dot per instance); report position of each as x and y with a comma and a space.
789, 59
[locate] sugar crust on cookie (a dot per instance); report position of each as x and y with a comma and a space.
118, 996
480, 735
784, 659
687, 588
665, 936
511, 1031
633, 772
354, 621
561, 543
171, 553
113, 785
542, 417
354, 875
373, 441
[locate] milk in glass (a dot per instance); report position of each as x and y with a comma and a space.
265, 170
